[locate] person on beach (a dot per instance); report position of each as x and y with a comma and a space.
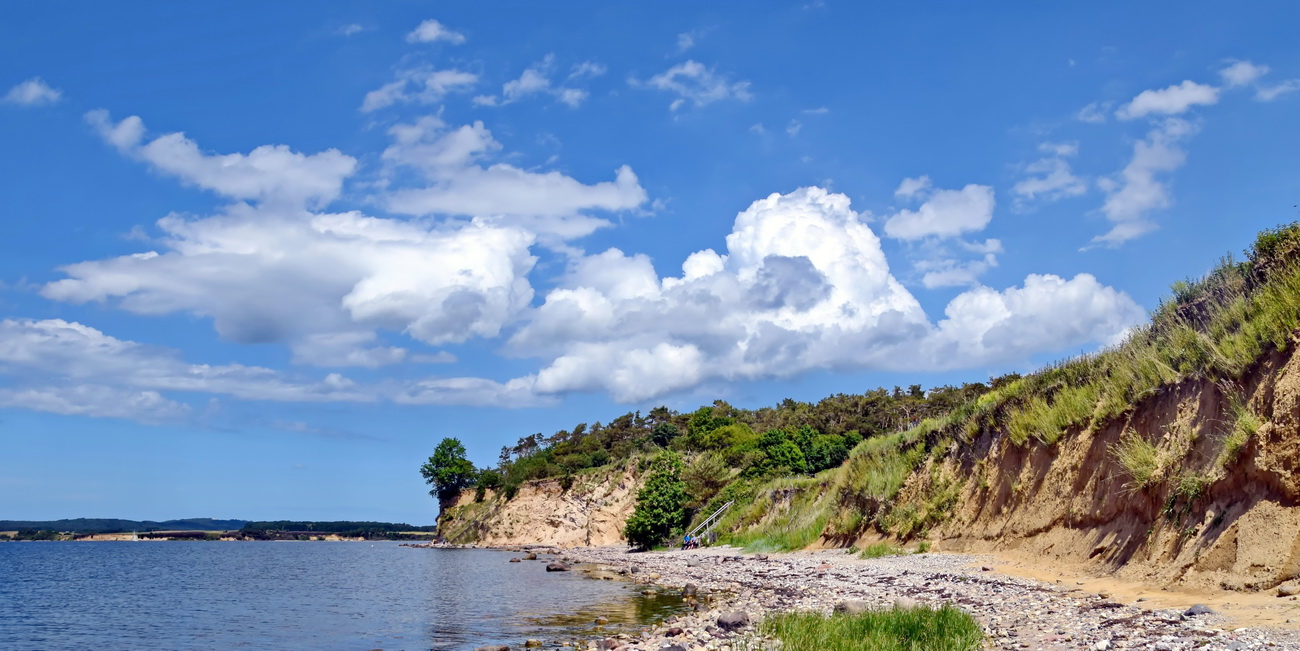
686, 542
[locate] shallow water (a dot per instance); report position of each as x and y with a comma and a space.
297, 595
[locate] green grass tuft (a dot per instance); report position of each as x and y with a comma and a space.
914, 629
1140, 459
881, 550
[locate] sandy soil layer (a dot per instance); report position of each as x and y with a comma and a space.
1016, 612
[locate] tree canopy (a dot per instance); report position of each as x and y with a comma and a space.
660, 505
448, 471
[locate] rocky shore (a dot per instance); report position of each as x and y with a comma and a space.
734, 591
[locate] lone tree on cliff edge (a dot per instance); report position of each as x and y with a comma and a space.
448, 471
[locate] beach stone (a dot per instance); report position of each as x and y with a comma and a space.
514, 560
673, 647
532, 644
673, 632
690, 590
1288, 589
493, 647
733, 620
852, 607
557, 567
601, 621
530, 557
1198, 609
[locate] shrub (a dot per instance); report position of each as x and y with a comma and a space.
660, 505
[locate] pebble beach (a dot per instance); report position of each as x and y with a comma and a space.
734, 591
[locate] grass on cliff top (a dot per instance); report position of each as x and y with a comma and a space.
1213, 328
911, 629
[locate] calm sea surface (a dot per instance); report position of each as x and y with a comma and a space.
296, 595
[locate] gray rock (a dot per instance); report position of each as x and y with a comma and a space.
852, 607
1290, 589
557, 567
514, 560
690, 590
1198, 609
494, 647
734, 620
530, 557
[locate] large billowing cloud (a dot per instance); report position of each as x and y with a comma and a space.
305, 279
803, 285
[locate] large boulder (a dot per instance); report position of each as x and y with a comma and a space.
852, 607
531, 556
734, 620
557, 567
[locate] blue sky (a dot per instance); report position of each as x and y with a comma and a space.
259, 260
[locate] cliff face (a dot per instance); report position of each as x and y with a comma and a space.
1204, 513
590, 512
1206, 517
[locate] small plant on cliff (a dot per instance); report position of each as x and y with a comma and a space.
660, 505
1245, 424
448, 471
1140, 459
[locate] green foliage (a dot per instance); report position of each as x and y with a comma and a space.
660, 505
447, 470
881, 550
664, 433
1140, 459
705, 475
946, 628
1244, 425
786, 513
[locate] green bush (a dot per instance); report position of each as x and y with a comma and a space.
660, 505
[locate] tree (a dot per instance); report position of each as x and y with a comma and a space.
660, 506
448, 471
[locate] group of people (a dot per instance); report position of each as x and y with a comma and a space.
690, 542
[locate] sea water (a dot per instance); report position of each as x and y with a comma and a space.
298, 595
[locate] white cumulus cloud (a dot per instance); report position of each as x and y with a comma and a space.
460, 182
944, 213
1140, 189
1172, 100
432, 31
420, 86
698, 84
269, 173
33, 92
1050, 178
